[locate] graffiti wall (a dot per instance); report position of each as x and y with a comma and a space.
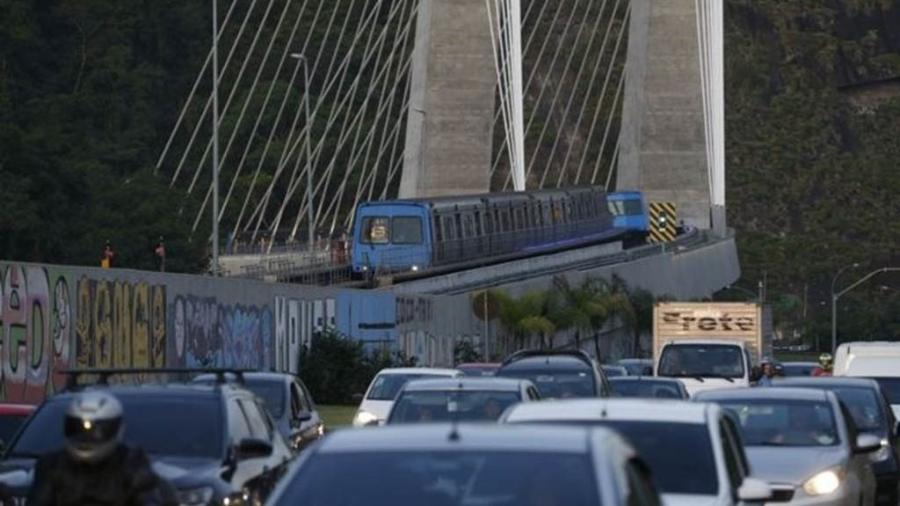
54, 318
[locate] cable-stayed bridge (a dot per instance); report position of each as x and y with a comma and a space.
328, 103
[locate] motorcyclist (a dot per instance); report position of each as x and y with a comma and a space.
825, 365
96, 468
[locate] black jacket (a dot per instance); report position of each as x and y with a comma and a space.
123, 479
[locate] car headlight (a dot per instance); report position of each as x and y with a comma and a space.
195, 496
823, 483
364, 418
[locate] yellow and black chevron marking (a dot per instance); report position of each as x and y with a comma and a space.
663, 222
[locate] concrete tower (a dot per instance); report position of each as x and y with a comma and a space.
448, 134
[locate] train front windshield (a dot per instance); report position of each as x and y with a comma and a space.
397, 230
625, 207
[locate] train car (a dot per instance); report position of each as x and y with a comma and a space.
420, 234
629, 211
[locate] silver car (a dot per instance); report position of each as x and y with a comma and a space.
804, 443
468, 464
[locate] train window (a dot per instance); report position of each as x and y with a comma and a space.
375, 230
489, 222
449, 229
520, 220
468, 226
438, 231
504, 220
459, 228
407, 230
478, 224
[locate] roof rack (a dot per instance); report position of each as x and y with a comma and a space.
523, 354
103, 375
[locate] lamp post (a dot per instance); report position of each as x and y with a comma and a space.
309, 180
834, 299
836, 296
215, 139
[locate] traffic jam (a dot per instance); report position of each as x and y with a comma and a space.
710, 419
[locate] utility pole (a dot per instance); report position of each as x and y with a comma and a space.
487, 330
215, 150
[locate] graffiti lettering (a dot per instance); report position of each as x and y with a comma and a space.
214, 335
120, 324
34, 332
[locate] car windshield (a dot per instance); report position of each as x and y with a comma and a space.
664, 445
163, 427
891, 389
456, 478
557, 384
423, 407
709, 360
272, 392
783, 422
645, 389
9, 424
386, 386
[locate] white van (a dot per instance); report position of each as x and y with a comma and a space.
879, 360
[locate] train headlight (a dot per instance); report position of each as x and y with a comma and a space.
414, 268
364, 268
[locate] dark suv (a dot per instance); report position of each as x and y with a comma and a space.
557, 373
213, 443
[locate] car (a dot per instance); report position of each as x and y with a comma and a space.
479, 368
459, 399
637, 366
798, 369
872, 415
455, 464
648, 387
379, 397
693, 450
12, 416
614, 371
213, 443
804, 442
877, 360
288, 401
557, 373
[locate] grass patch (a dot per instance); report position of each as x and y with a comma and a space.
337, 416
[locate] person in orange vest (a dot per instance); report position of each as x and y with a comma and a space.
825, 365
108, 256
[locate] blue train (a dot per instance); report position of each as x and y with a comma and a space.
453, 232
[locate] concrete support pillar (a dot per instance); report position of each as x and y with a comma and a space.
663, 143
448, 134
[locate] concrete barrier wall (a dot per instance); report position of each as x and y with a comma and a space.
56, 317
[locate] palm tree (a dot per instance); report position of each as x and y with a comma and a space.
526, 317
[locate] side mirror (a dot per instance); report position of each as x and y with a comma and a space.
357, 398
897, 430
867, 443
754, 490
253, 448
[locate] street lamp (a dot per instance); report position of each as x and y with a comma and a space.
836, 296
309, 181
834, 299
215, 139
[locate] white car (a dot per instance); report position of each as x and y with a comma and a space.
379, 397
804, 441
878, 360
692, 449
